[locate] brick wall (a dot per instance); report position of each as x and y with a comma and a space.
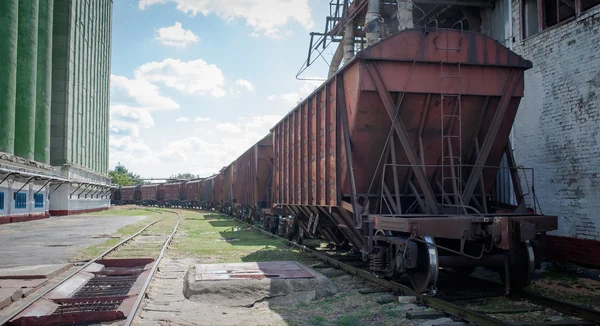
557, 129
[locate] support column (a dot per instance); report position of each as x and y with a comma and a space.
9, 26
26, 78
44, 82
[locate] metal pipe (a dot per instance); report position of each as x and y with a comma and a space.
336, 60
349, 41
405, 14
9, 17
372, 22
44, 82
26, 79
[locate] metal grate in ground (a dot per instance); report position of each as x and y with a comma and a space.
106, 286
87, 306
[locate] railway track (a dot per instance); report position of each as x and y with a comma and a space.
458, 306
109, 287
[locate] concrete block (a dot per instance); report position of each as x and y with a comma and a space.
9, 295
438, 321
204, 283
407, 299
33, 272
425, 315
407, 307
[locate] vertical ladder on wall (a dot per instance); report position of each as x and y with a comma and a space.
451, 136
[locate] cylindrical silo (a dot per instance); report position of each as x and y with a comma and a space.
44, 82
9, 14
26, 78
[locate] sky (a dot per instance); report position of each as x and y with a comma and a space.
195, 83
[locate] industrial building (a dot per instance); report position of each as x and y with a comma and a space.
54, 107
556, 130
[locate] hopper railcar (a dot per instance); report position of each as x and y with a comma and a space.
192, 191
399, 154
150, 194
174, 194
130, 195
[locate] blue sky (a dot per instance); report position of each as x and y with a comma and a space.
195, 83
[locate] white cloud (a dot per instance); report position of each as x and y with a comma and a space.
182, 119
141, 91
265, 17
306, 88
201, 119
290, 98
204, 151
228, 127
176, 36
131, 152
127, 120
246, 84
189, 77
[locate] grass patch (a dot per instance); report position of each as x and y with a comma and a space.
217, 239
125, 211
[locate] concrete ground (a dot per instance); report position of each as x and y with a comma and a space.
54, 240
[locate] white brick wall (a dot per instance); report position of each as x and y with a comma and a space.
557, 129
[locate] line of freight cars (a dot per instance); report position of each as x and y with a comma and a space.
185, 194
404, 157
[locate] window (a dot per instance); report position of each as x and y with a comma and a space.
1, 200
21, 200
538, 15
558, 11
39, 200
529, 17
588, 4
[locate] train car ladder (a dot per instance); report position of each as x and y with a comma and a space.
451, 136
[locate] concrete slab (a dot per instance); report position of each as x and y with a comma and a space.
244, 284
33, 272
257, 270
56, 239
26, 286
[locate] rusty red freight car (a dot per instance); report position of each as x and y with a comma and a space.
173, 193
131, 195
253, 171
399, 152
226, 191
207, 196
192, 193
149, 194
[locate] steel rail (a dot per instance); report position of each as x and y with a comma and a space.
583, 312
436, 303
149, 278
8, 318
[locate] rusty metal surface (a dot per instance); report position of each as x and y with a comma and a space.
130, 193
149, 192
104, 291
253, 173
254, 270
173, 191
207, 189
192, 190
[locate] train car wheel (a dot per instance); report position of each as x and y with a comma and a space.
425, 275
521, 267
